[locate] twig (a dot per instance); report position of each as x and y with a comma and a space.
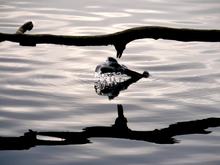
27, 26
118, 39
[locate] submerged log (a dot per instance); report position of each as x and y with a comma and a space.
118, 39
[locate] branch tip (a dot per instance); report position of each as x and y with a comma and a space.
25, 27
120, 47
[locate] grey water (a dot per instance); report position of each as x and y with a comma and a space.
51, 87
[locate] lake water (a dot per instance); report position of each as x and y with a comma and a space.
51, 87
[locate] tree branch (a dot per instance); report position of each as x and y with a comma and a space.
118, 39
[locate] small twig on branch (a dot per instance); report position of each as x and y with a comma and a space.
118, 39
27, 26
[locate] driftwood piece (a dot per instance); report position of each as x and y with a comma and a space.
118, 39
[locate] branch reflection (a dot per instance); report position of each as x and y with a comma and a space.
118, 130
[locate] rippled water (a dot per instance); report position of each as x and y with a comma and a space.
51, 87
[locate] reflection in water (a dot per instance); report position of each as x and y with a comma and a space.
48, 87
118, 130
113, 78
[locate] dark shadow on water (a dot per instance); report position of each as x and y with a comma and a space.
118, 130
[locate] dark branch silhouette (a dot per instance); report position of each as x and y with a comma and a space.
118, 39
29, 140
25, 27
118, 130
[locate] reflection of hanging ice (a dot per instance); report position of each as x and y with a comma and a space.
107, 81
111, 78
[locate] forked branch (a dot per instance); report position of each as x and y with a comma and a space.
118, 39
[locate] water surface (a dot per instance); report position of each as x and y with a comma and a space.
51, 87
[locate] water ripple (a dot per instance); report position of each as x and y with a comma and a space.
51, 87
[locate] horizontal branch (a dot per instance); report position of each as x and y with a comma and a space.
118, 39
